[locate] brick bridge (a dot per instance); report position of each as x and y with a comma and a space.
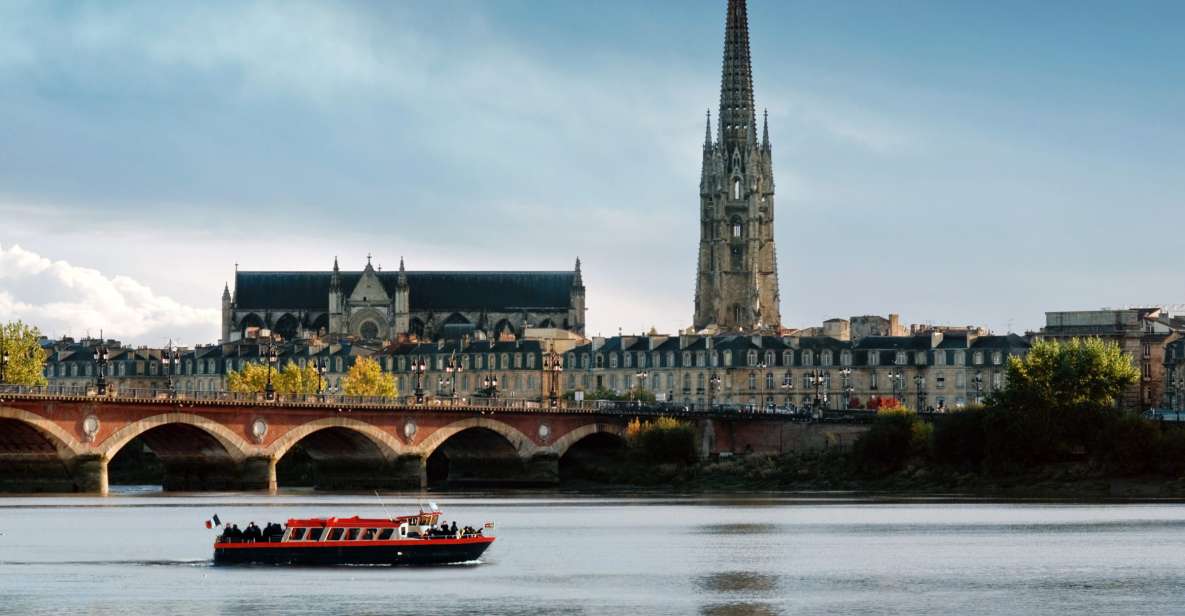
64, 442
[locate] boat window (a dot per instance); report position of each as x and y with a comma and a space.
297, 534
369, 534
352, 534
385, 534
315, 534
335, 534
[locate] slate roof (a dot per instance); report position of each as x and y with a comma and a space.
428, 291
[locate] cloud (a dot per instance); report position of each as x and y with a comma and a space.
62, 299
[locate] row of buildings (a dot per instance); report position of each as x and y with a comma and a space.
845, 363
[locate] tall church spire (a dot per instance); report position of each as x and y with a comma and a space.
737, 117
737, 277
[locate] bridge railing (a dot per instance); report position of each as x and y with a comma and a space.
476, 404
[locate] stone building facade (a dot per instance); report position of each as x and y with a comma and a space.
375, 305
1174, 372
736, 286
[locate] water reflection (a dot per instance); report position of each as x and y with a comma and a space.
737, 593
736, 529
738, 609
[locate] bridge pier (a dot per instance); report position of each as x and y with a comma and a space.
542, 468
90, 474
258, 473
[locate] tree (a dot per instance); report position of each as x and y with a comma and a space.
251, 379
291, 379
1080, 374
366, 378
26, 358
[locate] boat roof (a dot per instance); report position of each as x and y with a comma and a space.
357, 522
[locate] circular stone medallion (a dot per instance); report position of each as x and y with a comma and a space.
90, 427
544, 431
409, 429
259, 429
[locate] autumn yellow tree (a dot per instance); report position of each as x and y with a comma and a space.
366, 378
26, 359
291, 379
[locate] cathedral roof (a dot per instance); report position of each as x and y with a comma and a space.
428, 291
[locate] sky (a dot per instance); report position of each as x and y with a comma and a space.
954, 162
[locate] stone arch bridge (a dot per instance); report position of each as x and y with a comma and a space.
64, 443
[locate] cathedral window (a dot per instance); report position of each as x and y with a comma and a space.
736, 188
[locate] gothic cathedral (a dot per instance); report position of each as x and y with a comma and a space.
736, 287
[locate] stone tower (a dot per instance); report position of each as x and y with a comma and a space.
736, 286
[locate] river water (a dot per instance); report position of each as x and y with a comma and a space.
148, 553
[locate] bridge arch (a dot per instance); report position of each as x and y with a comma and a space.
565, 442
236, 446
64, 442
386, 443
521, 442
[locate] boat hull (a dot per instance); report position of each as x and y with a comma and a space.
416, 552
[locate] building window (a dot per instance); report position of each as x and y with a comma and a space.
874, 358
900, 358
808, 358
752, 381
872, 380
769, 380
997, 358
686, 359
629, 360
736, 188
728, 359
845, 358
960, 379
826, 358
960, 358
787, 358
613, 360
939, 358
977, 358
940, 382
752, 358
770, 358
700, 360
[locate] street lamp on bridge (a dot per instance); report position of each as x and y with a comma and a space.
713, 383
322, 366
896, 378
816, 378
418, 367
918, 382
170, 360
453, 369
3, 356
271, 357
553, 363
101, 357
489, 385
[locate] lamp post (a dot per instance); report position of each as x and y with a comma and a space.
816, 379
3, 356
322, 366
554, 364
978, 386
453, 368
787, 387
101, 356
895, 379
918, 382
640, 378
269, 390
170, 359
418, 367
489, 384
713, 383
846, 373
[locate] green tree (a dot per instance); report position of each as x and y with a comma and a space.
26, 358
1080, 374
366, 378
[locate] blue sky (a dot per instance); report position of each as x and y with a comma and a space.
953, 162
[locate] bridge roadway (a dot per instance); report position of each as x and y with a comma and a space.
63, 441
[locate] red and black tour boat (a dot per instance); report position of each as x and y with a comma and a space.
405, 540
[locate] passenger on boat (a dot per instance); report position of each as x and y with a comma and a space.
232, 534
453, 529
252, 533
